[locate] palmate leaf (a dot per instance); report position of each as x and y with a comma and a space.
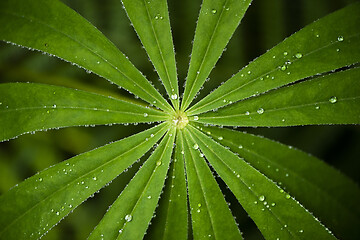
331, 196
315, 49
29, 210
129, 216
276, 214
52, 27
26, 107
330, 99
33, 207
217, 22
151, 22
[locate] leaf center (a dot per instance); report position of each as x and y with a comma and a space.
179, 119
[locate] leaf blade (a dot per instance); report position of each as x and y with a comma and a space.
216, 24
207, 202
330, 99
52, 27
152, 24
27, 107
171, 221
313, 50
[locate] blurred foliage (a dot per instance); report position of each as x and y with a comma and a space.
265, 24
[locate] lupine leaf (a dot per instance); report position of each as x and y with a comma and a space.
207, 203
129, 216
217, 22
331, 196
315, 49
33, 207
52, 27
330, 99
171, 215
276, 214
26, 107
151, 22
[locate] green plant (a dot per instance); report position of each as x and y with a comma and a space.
289, 85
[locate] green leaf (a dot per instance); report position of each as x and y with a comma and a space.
26, 107
129, 216
275, 212
217, 22
151, 22
207, 202
315, 49
33, 207
171, 221
52, 27
329, 99
331, 196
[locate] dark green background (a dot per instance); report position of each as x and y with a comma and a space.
265, 24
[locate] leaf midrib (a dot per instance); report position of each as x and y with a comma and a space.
284, 108
160, 51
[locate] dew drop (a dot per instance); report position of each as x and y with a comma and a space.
333, 99
196, 118
273, 204
298, 55
128, 218
145, 114
40, 179
260, 111
247, 113
285, 53
149, 197
196, 146
240, 146
58, 213
158, 163
287, 196
213, 11
220, 138
262, 198
283, 68
174, 96
94, 178
340, 38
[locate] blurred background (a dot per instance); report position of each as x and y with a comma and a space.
265, 24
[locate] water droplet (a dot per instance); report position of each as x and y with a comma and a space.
54, 106
174, 96
298, 55
240, 146
273, 204
58, 213
145, 114
94, 178
196, 118
213, 11
128, 218
287, 196
333, 99
262, 198
301, 231
198, 210
317, 107
220, 138
283, 68
340, 38
247, 113
158, 163
285, 53
149, 197
196, 146
40, 179
260, 111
